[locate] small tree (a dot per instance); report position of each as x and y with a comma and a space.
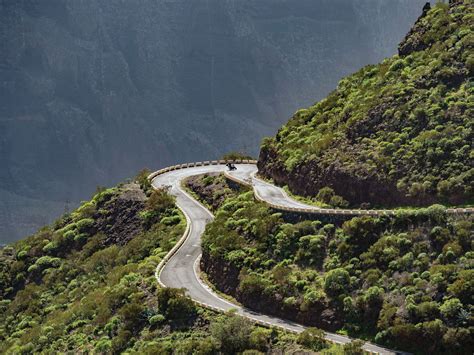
463, 287
325, 194
337, 282
158, 203
312, 338
451, 309
132, 316
232, 333
338, 201
354, 347
160, 200
259, 339
142, 180
174, 305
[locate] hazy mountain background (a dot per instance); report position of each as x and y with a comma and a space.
92, 91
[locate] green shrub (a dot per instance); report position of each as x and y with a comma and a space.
69, 236
252, 284
312, 338
325, 195
171, 220
50, 248
337, 282
84, 225
46, 262
142, 180
104, 345
22, 254
260, 339
160, 200
81, 238
354, 348
232, 334
174, 305
451, 309
463, 286
132, 316
156, 319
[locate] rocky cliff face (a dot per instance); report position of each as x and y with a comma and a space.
92, 91
225, 276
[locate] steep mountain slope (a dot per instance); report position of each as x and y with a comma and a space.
395, 133
87, 284
92, 91
404, 281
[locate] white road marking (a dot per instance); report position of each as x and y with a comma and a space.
185, 202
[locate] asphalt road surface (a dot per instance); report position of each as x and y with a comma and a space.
182, 269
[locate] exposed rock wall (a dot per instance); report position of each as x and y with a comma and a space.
225, 276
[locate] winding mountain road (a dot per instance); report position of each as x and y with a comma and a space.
180, 268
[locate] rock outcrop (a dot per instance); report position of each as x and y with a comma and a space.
121, 221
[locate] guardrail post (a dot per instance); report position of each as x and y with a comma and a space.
283, 208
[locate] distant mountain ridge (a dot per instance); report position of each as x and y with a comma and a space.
93, 91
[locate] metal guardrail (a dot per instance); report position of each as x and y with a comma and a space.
333, 211
324, 211
199, 163
185, 235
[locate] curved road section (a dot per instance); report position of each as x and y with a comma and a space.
264, 191
180, 269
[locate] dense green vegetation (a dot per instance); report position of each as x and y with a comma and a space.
67, 288
71, 287
211, 189
396, 133
403, 281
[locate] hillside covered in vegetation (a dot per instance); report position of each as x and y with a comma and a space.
396, 133
405, 281
86, 284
